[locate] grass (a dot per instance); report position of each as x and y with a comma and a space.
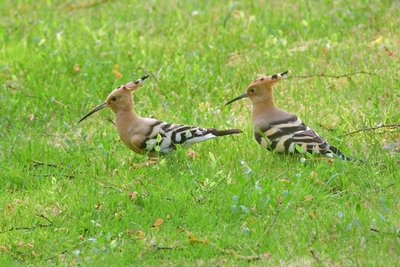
236, 204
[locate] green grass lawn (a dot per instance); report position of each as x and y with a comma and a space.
73, 194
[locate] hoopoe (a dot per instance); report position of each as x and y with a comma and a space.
148, 134
278, 130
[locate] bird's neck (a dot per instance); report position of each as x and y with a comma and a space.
126, 119
265, 104
264, 107
126, 122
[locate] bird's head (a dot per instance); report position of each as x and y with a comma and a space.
259, 90
119, 99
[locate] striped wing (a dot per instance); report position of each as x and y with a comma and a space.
166, 136
284, 135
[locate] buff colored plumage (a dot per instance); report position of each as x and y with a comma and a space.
144, 135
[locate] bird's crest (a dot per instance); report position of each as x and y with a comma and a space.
131, 86
270, 79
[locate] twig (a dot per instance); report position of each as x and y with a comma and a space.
164, 248
44, 217
394, 125
332, 76
40, 163
105, 184
381, 189
68, 176
86, 5
30, 228
312, 252
144, 186
264, 256
272, 223
52, 257
386, 233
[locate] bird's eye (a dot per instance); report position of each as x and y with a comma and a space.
252, 90
114, 98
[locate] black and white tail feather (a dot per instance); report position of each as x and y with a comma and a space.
291, 135
167, 136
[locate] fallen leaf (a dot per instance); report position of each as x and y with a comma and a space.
116, 71
266, 255
280, 199
389, 52
192, 154
140, 234
117, 74
193, 239
153, 242
308, 198
234, 59
76, 68
157, 223
313, 215
10, 207
56, 211
25, 245
133, 195
4, 249
203, 106
378, 40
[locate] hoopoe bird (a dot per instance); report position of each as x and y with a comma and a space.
278, 130
144, 135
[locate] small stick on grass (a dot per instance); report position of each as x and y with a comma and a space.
86, 5
40, 225
105, 184
332, 76
394, 125
278, 204
384, 188
312, 252
37, 163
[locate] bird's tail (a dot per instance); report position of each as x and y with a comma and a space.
224, 132
337, 153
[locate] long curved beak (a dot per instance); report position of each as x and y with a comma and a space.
237, 98
99, 107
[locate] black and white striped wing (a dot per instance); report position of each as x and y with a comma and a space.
167, 136
309, 141
284, 135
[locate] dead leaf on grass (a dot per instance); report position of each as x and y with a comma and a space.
76, 68
192, 154
4, 249
193, 239
157, 223
133, 195
308, 198
116, 71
